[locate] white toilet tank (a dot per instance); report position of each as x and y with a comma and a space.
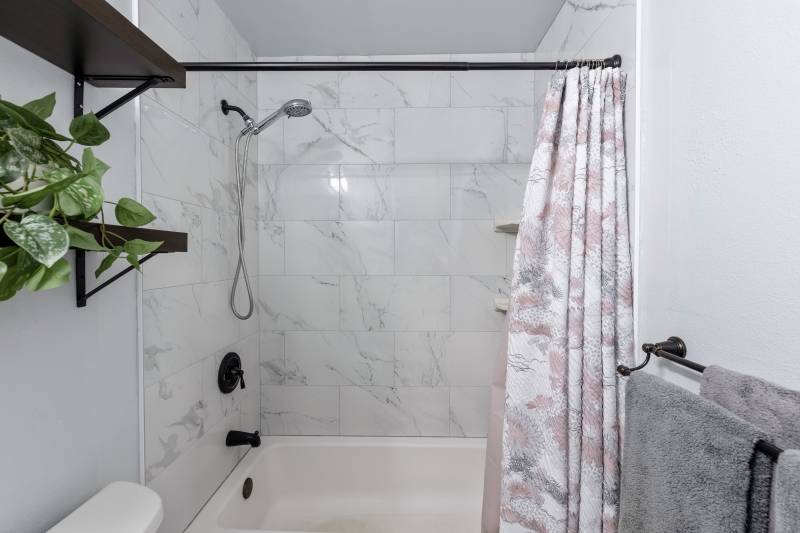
121, 507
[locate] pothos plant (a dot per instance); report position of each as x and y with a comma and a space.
44, 189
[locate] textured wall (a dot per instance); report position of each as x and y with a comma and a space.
188, 180
379, 259
719, 188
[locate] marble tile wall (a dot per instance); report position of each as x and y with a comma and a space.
379, 262
187, 181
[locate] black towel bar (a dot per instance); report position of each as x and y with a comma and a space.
674, 349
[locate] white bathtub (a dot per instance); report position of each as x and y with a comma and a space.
352, 485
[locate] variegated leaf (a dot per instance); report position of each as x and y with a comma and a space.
43, 238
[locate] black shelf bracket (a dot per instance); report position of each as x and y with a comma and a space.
148, 83
80, 277
81, 295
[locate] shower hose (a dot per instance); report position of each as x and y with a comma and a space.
241, 266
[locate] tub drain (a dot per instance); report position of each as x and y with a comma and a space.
247, 488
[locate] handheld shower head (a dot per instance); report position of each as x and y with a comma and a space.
292, 108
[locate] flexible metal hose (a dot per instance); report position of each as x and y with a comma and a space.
241, 266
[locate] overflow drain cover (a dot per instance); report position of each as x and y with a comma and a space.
247, 489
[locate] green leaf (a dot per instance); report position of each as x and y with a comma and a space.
87, 130
43, 238
44, 278
83, 240
27, 119
84, 197
108, 260
92, 166
25, 142
19, 268
3, 270
140, 247
58, 179
132, 214
133, 261
43, 107
12, 166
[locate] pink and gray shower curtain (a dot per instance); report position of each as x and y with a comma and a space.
570, 321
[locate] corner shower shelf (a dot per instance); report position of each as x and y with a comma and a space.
501, 305
506, 226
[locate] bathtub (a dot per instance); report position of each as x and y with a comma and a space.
352, 485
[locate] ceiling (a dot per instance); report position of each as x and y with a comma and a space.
373, 27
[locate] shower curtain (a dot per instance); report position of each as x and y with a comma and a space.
570, 321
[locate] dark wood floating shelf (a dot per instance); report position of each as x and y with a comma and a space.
173, 241
90, 39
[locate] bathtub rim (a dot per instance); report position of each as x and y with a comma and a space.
206, 521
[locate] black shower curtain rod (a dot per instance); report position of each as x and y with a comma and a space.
614, 61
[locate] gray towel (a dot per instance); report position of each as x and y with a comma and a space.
786, 517
773, 409
686, 462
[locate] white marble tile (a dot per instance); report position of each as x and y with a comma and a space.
469, 135
521, 129
270, 142
449, 247
175, 157
435, 359
182, 14
220, 251
473, 302
215, 34
299, 302
272, 358
271, 247
395, 192
469, 411
193, 477
492, 88
488, 191
250, 397
394, 89
323, 247
319, 88
184, 324
213, 87
175, 417
299, 192
299, 410
179, 268
577, 21
218, 405
388, 411
340, 358
222, 174
395, 303
341, 136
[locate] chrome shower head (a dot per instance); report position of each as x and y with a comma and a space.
292, 108
297, 108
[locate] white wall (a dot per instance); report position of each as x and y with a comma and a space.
719, 189
69, 385
188, 182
